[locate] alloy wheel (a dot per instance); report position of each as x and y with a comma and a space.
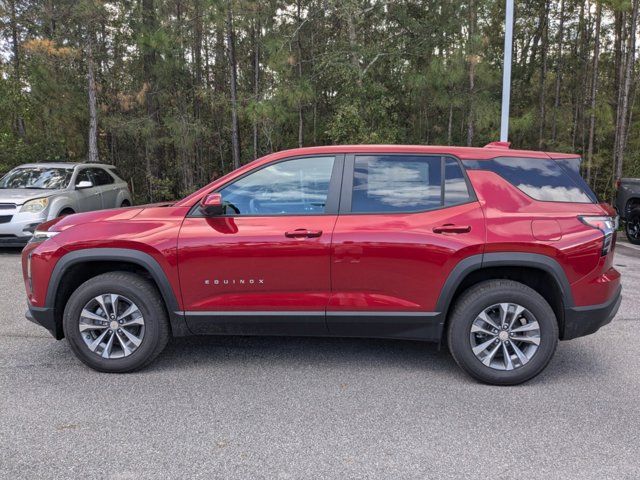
505, 336
111, 326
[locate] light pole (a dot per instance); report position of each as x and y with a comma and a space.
506, 72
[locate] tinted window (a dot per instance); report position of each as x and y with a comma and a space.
83, 176
101, 177
292, 187
572, 167
541, 179
37, 178
455, 186
396, 183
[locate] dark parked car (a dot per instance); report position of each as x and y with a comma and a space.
497, 252
628, 206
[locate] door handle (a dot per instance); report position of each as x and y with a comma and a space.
303, 233
451, 228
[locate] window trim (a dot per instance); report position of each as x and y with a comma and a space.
347, 183
479, 162
333, 194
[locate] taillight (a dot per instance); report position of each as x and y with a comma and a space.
618, 183
607, 225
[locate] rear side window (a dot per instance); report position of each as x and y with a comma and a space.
406, 183
455, 185
541, 179
101, 177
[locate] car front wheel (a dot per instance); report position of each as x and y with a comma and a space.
502, 332
116, 322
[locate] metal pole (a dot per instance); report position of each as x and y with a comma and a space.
506, 72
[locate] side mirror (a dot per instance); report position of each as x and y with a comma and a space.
84, 184
212, 205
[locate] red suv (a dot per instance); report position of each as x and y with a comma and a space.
497, 252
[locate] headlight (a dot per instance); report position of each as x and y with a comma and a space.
35, 206
40, 236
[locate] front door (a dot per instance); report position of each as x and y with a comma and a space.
89, 199
405, 222
263, 267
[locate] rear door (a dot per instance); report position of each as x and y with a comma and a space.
263, 267
405, 222
107, 186
89, 199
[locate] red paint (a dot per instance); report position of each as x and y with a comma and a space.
348, 262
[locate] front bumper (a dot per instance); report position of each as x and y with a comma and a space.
44, 317
19, 229
581, 321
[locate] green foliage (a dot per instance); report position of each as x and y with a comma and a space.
329, 71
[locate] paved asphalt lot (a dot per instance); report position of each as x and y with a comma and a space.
223, 407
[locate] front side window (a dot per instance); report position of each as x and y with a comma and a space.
541, 179
40, 178
291, 187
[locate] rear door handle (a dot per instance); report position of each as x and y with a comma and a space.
451, 228
303, 233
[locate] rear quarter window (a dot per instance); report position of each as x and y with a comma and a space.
541, 179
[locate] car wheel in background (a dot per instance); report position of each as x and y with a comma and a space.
116, 322
502, 332
125, 204
632, 226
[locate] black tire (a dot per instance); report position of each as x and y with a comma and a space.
125, 204
146, 297
66, 211
482, 296
632, 226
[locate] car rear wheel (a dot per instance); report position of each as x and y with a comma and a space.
502, 332
125, 204
632, 226
116, 322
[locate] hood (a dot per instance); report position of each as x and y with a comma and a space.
22, 195
62, 223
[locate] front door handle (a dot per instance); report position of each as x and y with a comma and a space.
303, 233
451, 228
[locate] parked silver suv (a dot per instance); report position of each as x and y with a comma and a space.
36, 192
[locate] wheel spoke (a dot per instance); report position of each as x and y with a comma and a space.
516, 314
508, 364
534, 340
127, 351
114, 303
132, 309
133, 322
135, 340
504, 312
103, 306
90, 326
94, 344
526, 328
106, 353
93, 316
478, 329
489, 357
485, 318
483, 346
521, 356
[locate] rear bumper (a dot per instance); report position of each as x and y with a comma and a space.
45, 318
581, 321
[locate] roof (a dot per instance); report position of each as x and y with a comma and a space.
492, 150
64, 165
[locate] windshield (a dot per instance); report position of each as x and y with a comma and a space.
37, 177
